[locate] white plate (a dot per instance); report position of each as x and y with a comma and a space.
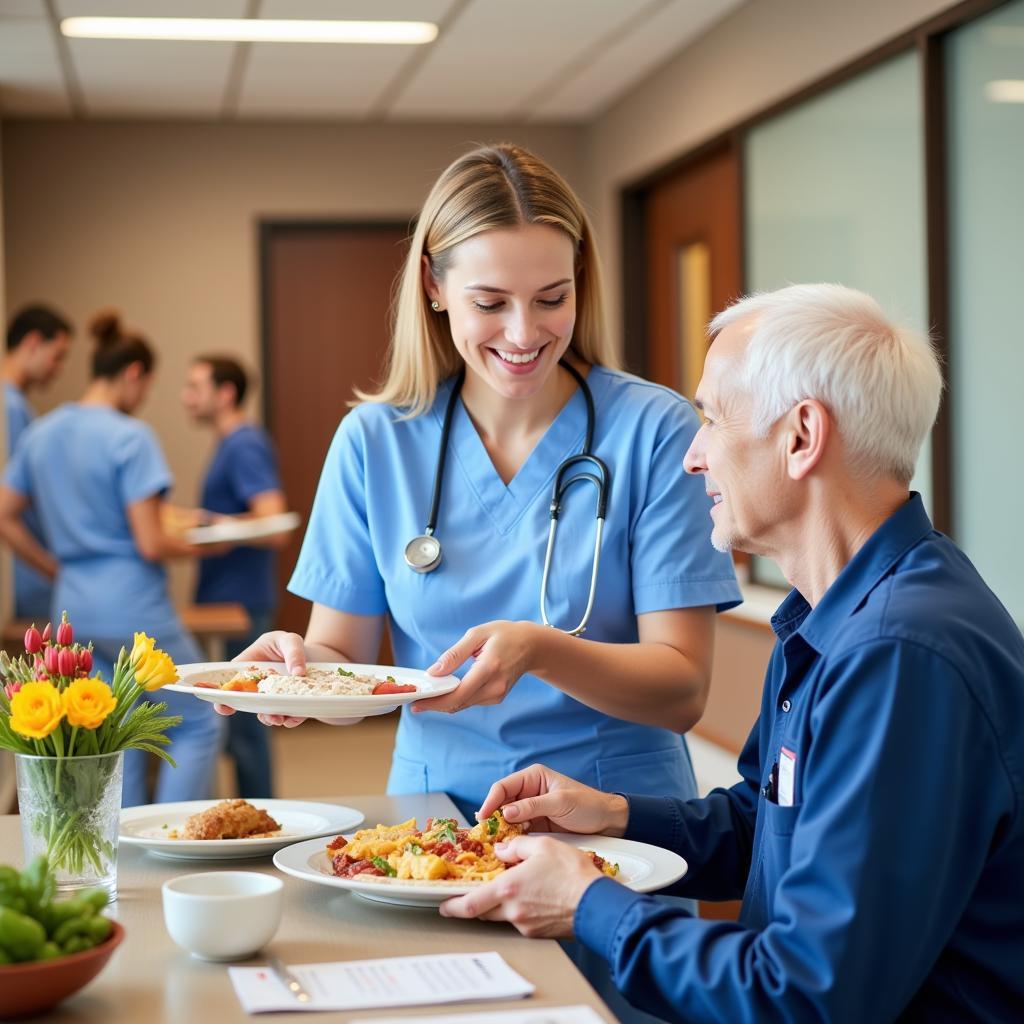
233, 530
306, 705
147, 826
642, 867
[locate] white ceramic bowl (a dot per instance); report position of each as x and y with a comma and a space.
223, 915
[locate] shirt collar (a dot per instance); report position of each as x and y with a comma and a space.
907, 526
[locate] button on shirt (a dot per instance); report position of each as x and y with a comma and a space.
243, 466
893, 887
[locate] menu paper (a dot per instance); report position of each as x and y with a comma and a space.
545, 1015
369, 984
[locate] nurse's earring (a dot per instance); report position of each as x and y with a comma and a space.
436, 306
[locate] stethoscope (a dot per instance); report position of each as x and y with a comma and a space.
423, 553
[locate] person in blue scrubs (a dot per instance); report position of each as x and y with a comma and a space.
38, 339
877, 835
501, 283
96, 477
242, 479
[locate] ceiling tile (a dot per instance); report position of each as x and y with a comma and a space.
327, 80
633, 55
494, 56
31, 81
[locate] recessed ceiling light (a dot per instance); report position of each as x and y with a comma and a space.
1005, 90
251, 30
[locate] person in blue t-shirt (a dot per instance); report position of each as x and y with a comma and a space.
877, 835
242, 479
38, 339
96, 477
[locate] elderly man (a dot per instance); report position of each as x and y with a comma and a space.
877, 836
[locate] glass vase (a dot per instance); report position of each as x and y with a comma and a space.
70, 810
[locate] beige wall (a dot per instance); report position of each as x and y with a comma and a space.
160, 220
760, 54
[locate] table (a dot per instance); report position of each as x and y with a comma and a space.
213, 624
151, 981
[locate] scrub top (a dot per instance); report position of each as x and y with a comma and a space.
32, 591
81, 466
243, 466
374, 497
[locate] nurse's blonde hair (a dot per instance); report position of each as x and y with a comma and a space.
500, 186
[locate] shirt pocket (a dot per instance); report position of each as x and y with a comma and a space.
664, 772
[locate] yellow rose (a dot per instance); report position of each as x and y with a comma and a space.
87, 702
36, 710
153, 668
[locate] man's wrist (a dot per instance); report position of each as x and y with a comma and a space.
617, 816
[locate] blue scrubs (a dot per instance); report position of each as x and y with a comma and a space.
374, 496
33, 592
81, 467
882, 868
243, 466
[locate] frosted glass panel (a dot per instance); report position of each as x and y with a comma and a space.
834, 191
986, 168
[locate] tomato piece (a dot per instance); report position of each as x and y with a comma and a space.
387, 686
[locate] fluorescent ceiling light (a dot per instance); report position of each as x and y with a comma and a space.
250, 30
1005, 90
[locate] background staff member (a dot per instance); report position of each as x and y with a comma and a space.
38, 339
97, 478
877, 836
241, 479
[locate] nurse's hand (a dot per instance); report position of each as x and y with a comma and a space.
551, 802
539, 895
503, 651
278, 645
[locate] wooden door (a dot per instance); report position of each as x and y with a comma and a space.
693, 263
326, 292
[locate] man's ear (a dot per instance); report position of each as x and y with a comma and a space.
808, 429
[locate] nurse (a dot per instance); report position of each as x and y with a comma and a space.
97, 477
501, 292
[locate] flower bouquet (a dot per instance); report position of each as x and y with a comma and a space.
68, 731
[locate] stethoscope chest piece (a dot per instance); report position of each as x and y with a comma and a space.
423, 553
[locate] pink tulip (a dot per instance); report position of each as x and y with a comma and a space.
65, 634
46, 633
50, 660
67, 662
11, 689
33, 640
85, 661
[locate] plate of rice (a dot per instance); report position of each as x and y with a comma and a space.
327, 690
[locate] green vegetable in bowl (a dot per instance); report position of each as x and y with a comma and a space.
35, 926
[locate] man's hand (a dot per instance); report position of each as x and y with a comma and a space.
539, 895
551, 802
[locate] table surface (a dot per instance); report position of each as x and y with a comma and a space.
149, 979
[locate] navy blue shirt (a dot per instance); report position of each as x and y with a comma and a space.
243, 466
893, 885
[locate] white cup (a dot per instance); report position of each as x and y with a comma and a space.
223, 915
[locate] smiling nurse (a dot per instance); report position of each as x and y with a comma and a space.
501, 291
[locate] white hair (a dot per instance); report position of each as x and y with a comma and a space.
881, 383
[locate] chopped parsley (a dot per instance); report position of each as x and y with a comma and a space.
493, 825
414, 848
383, 865
344, 672
391, 679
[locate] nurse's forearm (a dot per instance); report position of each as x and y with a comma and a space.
650, 682
27, 548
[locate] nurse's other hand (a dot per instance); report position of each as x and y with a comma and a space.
552, 802
539, 895
502, 652
277, 645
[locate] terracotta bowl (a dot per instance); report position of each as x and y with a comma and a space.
30, 988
